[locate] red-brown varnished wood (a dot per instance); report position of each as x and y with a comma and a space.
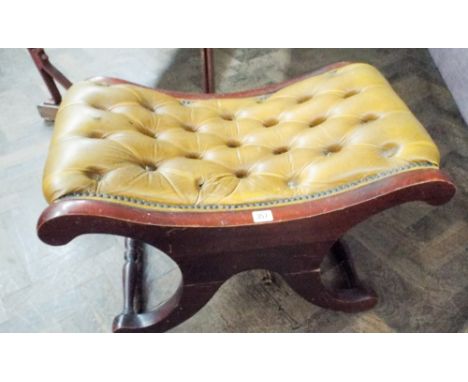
429, 185
298, 265
49, 73
208, 70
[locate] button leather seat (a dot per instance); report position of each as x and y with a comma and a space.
325, 134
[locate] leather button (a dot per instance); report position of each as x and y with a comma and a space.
95, 135
233, 143
241, 174
99, 107
270, 122
332, 149
193, 156
148, 107
150, 167
94, 174
369, 118
350, 93
292, 183
199, 183
280, 150
147, 132
304, 99
317, 121
227, 117
190, 128
389, 150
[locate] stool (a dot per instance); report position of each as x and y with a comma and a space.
223, 183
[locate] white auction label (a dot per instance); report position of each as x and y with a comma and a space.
262, 216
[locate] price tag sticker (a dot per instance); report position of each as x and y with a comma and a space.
262, 216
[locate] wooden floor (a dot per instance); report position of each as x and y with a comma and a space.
415, 256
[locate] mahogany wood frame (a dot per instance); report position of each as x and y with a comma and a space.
210, 247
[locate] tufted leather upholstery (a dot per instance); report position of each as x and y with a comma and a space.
327, 133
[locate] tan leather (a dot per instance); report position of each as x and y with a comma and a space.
333, 131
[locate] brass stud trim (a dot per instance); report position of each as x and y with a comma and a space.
242, 206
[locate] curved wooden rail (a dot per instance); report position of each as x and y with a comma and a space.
65, 219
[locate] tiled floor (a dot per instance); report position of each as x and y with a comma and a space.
415, 255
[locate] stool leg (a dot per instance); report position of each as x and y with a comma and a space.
167, 315
132, 278
194, 297
351, 296
341, 255
179, 308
